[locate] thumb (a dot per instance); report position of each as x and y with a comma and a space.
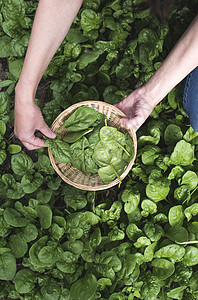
47, 131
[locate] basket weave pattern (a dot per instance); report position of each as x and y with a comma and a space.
71, 175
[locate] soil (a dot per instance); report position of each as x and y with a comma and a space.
3, 69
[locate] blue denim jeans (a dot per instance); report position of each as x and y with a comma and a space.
190, 98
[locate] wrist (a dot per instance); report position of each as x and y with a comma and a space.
25, 92
154, 90
148, 93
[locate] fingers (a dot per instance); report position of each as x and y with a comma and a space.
129, 124
35, 127
30, 146
121, 105
33, 143
134, 123
31, 136
117, 105
47, 131
127, 107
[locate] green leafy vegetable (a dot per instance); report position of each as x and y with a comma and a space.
183, 154
60, 150
24, 281
162, 268
137, 241
7, 264
84, 117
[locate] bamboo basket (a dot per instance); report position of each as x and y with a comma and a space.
71, 175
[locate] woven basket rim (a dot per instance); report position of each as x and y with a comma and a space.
67, 112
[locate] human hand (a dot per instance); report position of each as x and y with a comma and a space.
137, 109
29, 124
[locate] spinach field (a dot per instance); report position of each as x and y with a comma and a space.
136, 241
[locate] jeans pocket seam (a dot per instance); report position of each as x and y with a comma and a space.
186, 87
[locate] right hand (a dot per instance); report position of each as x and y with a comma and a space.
137, 108
29, 123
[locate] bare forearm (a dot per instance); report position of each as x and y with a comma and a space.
52, 22
179, 63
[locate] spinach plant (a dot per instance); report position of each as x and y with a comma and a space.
138, 241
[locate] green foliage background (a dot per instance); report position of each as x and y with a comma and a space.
136, 242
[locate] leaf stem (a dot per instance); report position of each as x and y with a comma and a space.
194, 190
116, 174
67, 211
7, 142
123, 149
12, 135
186, 243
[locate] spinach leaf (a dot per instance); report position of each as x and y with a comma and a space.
90, 20
109, 173
82, 160
191, 256
174, 252
83, 118
13, 188
43, 165
81, 144
190, 134
14, 218
60, 150
177, 293
176, 215
191, 211
190, 178
151, 286
113, 139
4, 104
94, 137
172, 134
183, 154
84, 288
177, 234
31, 183
158, 189
110, 162
34, 250
131, 198
24, 281
102, 155
7, 264
3, 156
110, 154
74, 198
17, 245
72, 137
162, 268
45, 216
29, 233
22, 164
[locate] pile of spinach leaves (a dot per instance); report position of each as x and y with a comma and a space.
92, 146
134, 242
